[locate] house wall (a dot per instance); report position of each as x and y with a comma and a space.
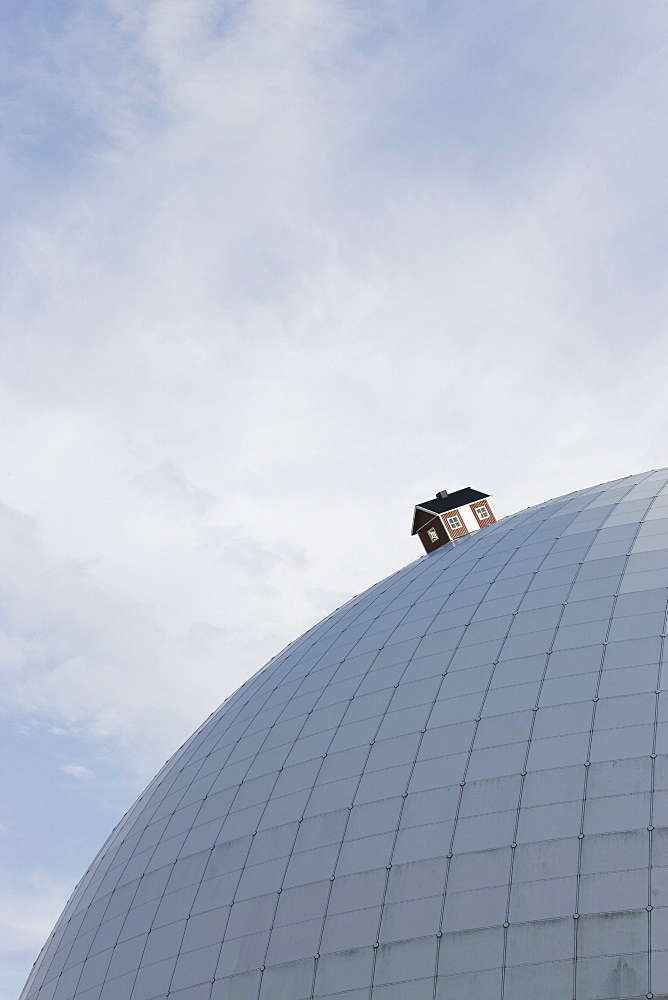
438, 526
483, 523
457, 532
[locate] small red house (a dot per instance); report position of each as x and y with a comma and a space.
451, 515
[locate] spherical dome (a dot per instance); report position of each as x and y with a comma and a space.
453, 787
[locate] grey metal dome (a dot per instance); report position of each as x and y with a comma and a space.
453, 787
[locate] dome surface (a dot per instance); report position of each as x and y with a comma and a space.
454, 787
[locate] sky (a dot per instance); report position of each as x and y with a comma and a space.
272, 273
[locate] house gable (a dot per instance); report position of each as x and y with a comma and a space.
421, 517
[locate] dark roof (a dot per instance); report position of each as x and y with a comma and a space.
439, 505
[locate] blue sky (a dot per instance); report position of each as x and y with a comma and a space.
272, 273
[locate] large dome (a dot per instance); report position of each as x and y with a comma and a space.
454, 787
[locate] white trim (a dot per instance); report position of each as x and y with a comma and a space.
469, 518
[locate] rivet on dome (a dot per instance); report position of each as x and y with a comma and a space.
506, 924
653, 756
580, 836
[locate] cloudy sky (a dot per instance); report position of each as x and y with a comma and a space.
272, 272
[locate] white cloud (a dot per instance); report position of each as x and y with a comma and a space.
142, 671
302, 258
28, 911
79, 771
28, 914
277, 271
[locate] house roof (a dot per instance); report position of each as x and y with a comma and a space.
439, 504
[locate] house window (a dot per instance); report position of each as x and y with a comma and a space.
454, 522
433, 535
482, 513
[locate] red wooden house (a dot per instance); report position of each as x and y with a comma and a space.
451, 515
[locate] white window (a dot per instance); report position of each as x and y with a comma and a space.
454, 522
482, 513
433, 535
